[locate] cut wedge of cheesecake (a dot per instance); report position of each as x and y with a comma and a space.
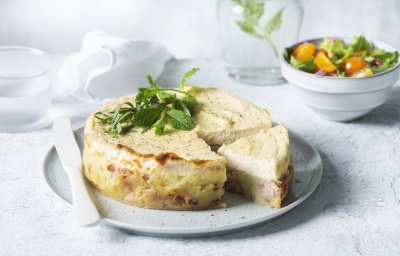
177, 170
224, 117
259, 166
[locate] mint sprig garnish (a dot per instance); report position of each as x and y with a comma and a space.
252, 12
154, 107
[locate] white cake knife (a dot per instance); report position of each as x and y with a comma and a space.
84, 210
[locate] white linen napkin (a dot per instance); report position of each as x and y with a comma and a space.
109, 66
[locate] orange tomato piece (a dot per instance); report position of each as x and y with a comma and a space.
304, 51
323, 62
353, 65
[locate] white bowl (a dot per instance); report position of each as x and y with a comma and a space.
341, 99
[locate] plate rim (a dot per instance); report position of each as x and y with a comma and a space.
201, 231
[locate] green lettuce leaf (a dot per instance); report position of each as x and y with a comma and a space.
388, 60
360, 43
337, 50
307, 66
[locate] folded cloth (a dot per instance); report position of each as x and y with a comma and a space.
109, 66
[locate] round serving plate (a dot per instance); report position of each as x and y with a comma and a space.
241, 213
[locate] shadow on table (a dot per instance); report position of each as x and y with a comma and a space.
327, 196
386, 115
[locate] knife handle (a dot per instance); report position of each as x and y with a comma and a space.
84, 210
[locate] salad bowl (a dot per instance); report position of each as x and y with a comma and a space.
341, 98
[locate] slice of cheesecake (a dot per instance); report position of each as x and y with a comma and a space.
259, 166
224, 117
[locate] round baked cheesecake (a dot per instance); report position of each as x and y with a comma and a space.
177, 170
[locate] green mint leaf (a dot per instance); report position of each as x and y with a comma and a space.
154, 107
164, 95
180, 105
191, 103
252, 9
361, 44
144, 96
252, 12
179, 120
152, 82
186, 76
246, 26
167, 98
274, 23
146, 117
159, 127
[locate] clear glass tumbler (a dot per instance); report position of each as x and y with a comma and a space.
25, 89
253, 35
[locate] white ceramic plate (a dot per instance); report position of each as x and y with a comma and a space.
240, 215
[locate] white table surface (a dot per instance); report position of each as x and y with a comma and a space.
354, 211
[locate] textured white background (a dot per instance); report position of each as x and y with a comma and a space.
187, 27
354, 211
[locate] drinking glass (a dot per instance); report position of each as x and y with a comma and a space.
25, 89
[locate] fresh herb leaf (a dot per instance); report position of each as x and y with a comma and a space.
252, 12
146, 116
152, 82
153, 108
143, 98
191, 103
118, 121
247, 27
274, 23
165, 95
159, 127
179, 120
180, 105
186, 76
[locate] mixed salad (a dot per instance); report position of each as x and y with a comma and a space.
332, 57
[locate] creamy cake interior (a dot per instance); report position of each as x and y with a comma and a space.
259, 166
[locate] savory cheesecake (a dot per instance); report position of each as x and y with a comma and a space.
225, 117
177, 170
259, 166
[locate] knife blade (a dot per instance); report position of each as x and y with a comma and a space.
85, 212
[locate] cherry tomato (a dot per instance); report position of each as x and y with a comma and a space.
304, 51
353, 65
324, 63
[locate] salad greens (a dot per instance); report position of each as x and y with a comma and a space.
153, 107
335, 57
